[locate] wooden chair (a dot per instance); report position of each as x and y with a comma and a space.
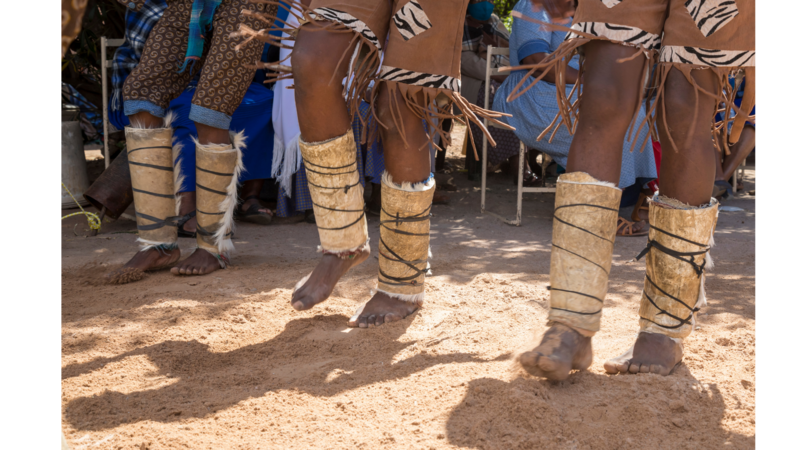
105, 43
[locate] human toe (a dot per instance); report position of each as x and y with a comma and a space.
547, 364
528, 359
391, 317
659, 369
612, 367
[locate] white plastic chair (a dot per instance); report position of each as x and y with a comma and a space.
106, 64
504, 51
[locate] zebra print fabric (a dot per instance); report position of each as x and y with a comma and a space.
334, 15
711, 15
611, 3
620, 33
706, 57
420, 79
411, 20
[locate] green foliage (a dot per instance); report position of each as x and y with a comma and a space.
503, 10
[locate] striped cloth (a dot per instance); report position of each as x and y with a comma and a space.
138, 25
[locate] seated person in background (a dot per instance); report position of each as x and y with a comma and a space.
533, 112
728, 160
482, 29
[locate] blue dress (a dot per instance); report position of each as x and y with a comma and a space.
534, 111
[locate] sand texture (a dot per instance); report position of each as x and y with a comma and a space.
224, 362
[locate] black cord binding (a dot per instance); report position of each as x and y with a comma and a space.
698, 268
171, 221
551, 288
397, 219
675, 254
346, 190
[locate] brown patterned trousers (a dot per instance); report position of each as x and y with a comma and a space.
224, 79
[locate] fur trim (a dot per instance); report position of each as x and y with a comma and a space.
227, 205
147, 245
701, 296
416, 299
169, 117
406, 186
178, 177
344, 253
232, 199
286, 161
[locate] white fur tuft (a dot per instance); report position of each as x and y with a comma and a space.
416, 299
701, 296
147, 245
231, 200
408, 186
169, 117
286, 161
359, 248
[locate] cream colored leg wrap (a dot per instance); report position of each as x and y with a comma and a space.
151, 158
677, 253
337, 194
218, 170
584, 229
405, 238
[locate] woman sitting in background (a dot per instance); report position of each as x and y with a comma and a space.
533, 112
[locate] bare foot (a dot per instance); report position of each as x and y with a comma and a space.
651, 353
562, 349
317, 287
147, 260
200, 262
381, 309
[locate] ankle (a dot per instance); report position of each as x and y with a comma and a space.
587, 334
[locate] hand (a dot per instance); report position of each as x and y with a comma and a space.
559, 10
489, 39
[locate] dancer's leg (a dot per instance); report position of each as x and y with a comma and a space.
739, 151
406, 192
680, 209
583, 236
323, 115
224, 81
151, 160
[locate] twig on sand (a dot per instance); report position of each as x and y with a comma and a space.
444, 338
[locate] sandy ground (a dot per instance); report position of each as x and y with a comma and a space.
223, 361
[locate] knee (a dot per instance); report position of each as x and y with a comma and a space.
383, 112
610, 101
313, 66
